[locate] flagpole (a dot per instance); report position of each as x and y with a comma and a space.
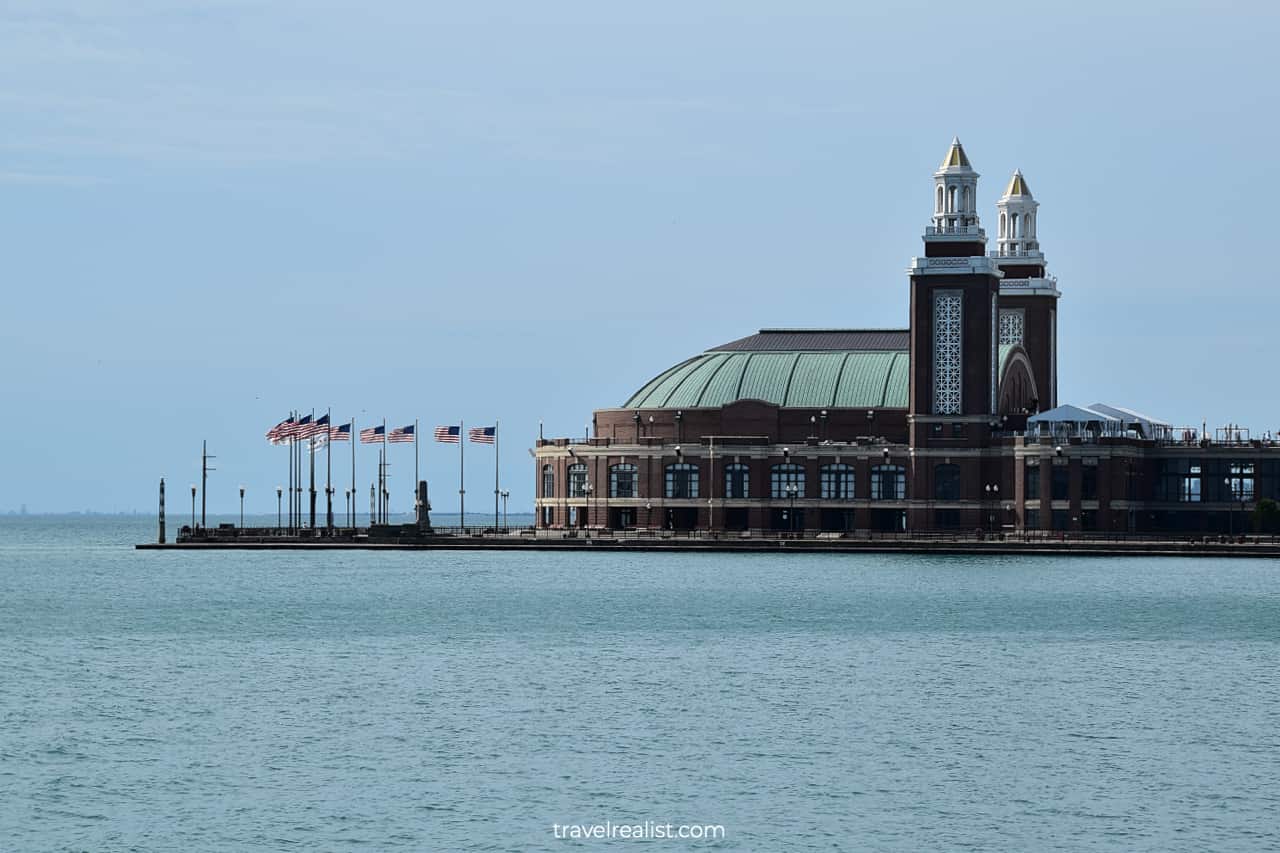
462, 481
288, 446
328, 468
383, 496
495, 476
311, 451
354, 435
417, 512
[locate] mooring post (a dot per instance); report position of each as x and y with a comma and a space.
162, 510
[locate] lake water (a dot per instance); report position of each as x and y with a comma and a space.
443, 701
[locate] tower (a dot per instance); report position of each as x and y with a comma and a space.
954, 292
1028, 318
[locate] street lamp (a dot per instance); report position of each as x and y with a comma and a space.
636, 418
993, 494
193, 506
792, 491
279, 512
823, 415
347, 494
505, 494
1231, 506
242, 507
586, 493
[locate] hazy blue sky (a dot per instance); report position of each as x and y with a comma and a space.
213, 211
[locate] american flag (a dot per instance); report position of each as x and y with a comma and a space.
449, 434
372, 435
302, 427
281, 432
404, 433
483, 435
312, 428
340, 433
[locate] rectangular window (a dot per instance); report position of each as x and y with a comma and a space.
1060, 487
682, 480
1240, 482
578, 481
786, 481
548, 516
1089, 483
1189, 488
1032, 519
1033, 482
736, 481
888, 483
837, 482
622, 481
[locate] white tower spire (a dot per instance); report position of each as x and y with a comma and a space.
1016, 234
955, 194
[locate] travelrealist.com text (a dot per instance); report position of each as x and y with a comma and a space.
647, 831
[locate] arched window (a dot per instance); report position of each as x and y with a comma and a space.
1002, 223
548, 481
939, 198
1013, 226
682, 480
1029, 225
836, 482
578, 480
622, 481
951, 199
737, 481
888, 483
946, 482
968, 201
783, 476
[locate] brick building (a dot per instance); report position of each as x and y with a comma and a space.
951, 423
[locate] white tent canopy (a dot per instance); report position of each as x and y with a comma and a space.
1098, 419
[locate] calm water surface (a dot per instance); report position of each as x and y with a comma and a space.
257, 701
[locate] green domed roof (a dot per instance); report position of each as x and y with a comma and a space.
810, 369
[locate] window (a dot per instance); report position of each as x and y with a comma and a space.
836, 482
1032, 483
1189, 487
622, 481
1060, 520
682, 480
1240, 482
548, 516
1060, 487
1089, 483
939, 199
578, 480
548, 481
888, 483
1032, 519
736, 481
782, 476
946, 482
957, 430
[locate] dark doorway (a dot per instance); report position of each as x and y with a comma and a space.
840, 520
622, 518
784, 519
737, 518
682, 518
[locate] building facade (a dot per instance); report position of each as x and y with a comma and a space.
951, 423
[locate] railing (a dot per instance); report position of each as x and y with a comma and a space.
955, 231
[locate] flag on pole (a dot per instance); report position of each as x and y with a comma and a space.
482, 435
302, 428
449, 434
404, 433
281, 432
372, 435
340, 433
312, 428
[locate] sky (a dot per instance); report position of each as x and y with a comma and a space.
213, 212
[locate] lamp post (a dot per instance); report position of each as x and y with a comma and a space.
813, 426
193, 506
679, 420
586, 493
347, 494
823, 434
279, 511
648, 514
792, 489
636, 418
1231, 506
242, 507
871, 421
504, 494
992, 491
